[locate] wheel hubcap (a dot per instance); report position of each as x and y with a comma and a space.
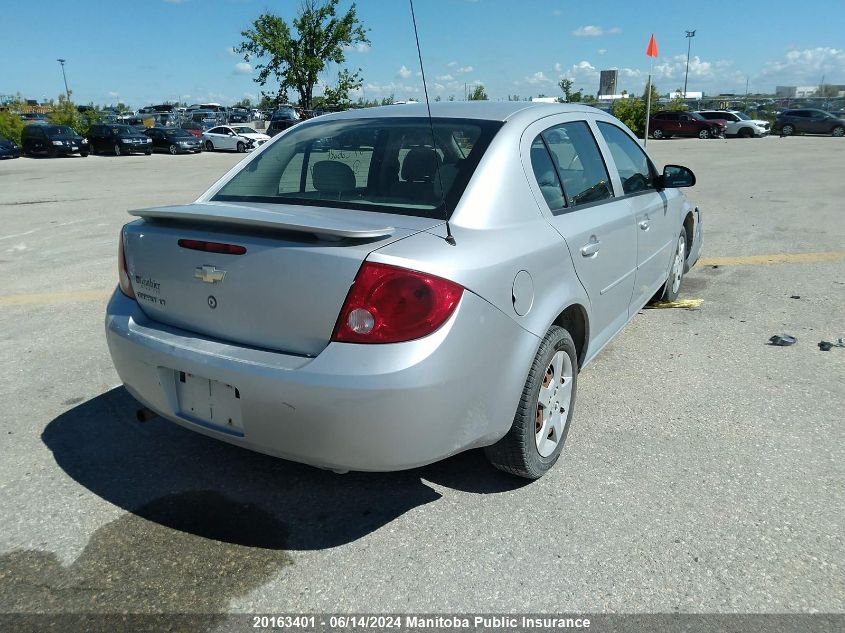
553, 404
678, 264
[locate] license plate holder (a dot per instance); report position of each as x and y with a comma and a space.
211, 402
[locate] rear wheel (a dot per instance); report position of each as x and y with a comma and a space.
536, 438
788, 130
117, 149
209, 146
838, 131
705, 133
657, 134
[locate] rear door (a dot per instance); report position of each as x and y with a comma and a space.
655, 221
598, 229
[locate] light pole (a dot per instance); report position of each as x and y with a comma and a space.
64, 76
689, 36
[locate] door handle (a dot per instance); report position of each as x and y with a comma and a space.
644, 225
590, 250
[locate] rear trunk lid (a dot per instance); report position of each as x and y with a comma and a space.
284, 293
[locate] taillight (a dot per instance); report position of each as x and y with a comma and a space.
387, 304
122, 273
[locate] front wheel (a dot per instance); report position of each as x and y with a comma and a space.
704, 134
117, 149
539, 429
838, 131
672, 287
241, 148
173, 150
746, 133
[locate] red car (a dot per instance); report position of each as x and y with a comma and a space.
669, 124
194, 128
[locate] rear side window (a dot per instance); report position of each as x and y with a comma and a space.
578, 162
546, 175
635, 169
390, 165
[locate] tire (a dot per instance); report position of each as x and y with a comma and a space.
173, 150
672, 287
788, 129
84, 154
148, 152
241, 147
657, 134
526, 450
838, 131
209, 146
92, 149
745, 132
705, 133
117, 149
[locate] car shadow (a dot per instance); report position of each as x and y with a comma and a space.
139, 466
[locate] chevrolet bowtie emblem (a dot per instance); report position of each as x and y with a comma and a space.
209, 274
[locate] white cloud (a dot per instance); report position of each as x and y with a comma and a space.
451, 64
230, 50
114, 94
558, 67
445, 77
602, 51
805, 66
595, 31
588, 31
360, 47
403, 72
463, 70
537, 79
242, 68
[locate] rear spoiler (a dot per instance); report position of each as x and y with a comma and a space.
302, 220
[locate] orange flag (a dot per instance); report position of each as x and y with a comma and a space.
651, 51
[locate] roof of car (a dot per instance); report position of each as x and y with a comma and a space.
487, 110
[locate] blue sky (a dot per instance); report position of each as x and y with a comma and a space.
148, 51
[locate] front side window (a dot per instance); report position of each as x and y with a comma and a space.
635, 169
388, 165
578, 163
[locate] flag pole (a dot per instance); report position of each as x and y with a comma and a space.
648, 104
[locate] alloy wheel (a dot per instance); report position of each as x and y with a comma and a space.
553, 403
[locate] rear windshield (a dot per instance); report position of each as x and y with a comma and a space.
388, 165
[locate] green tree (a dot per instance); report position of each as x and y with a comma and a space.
632, 111
295, 55
11, 124
478, 94
676, 103
339, 93
566, 86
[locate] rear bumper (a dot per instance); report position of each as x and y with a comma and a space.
358, 407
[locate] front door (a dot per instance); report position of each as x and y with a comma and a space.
650, 208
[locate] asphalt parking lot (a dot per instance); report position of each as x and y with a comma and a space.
704, 471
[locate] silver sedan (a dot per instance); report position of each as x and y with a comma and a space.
377, 290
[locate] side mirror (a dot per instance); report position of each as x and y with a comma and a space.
675, 177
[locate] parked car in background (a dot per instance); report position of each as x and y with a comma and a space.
239, 115
193, 128
52, 140
737, 123
251, 133
809, 121
119, 140
174, 140
224, 137
670, 123
8, 148
387, 272
34, 117
282, 119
